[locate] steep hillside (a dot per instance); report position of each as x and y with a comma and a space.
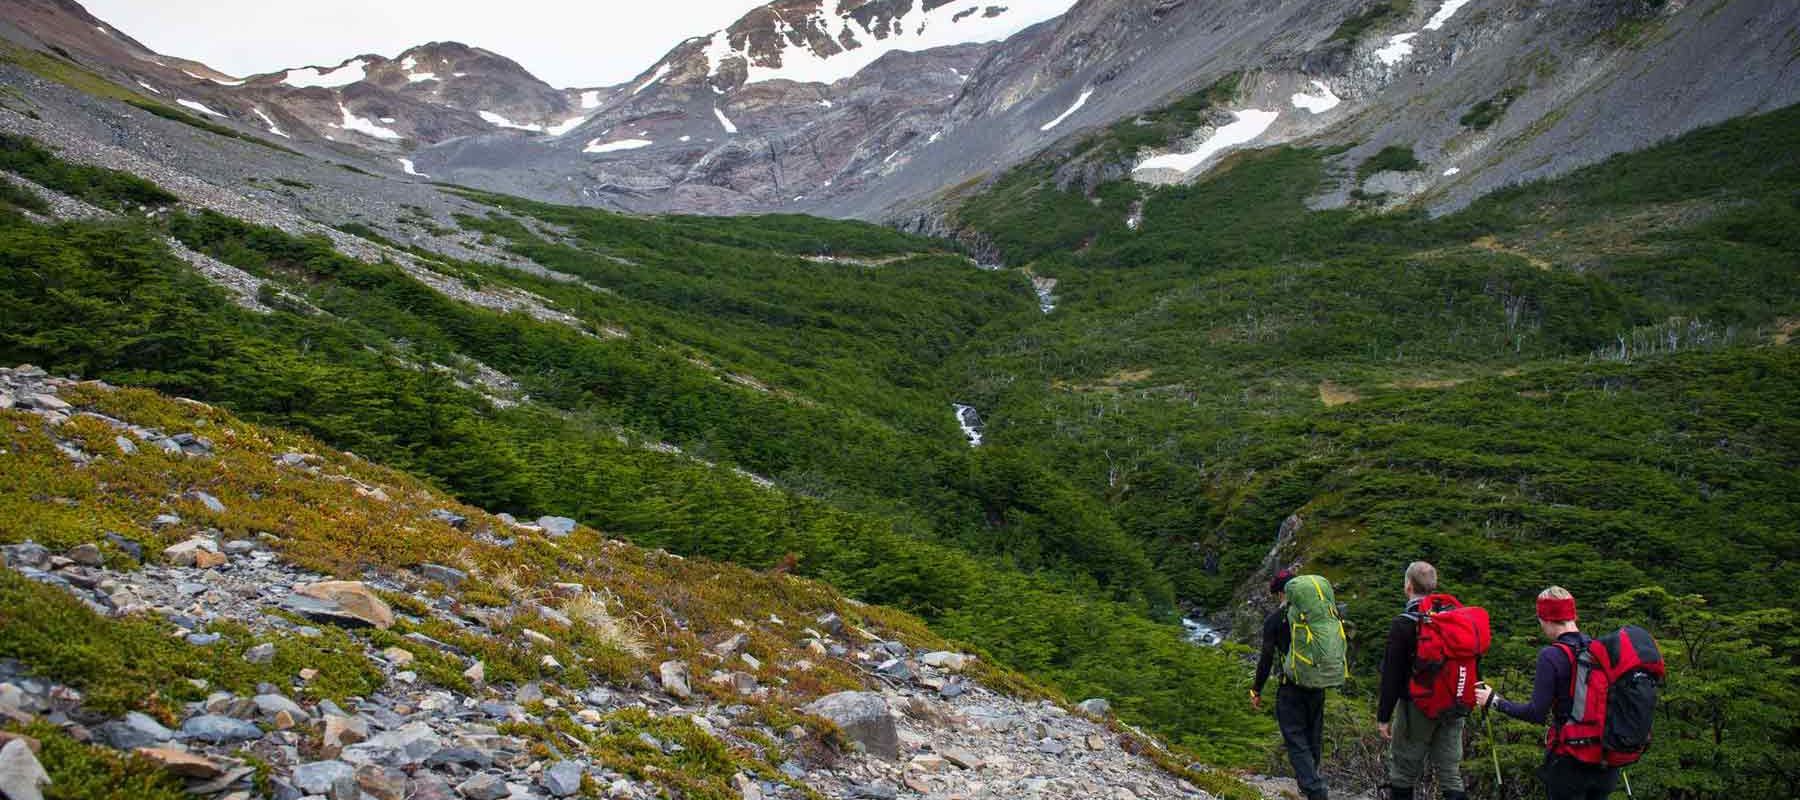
191, 601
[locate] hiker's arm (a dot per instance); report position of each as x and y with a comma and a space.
1271, 632
1396, 664
1543, 691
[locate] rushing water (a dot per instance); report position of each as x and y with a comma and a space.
1201, 632
970, 421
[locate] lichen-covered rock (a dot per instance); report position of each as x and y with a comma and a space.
864, 717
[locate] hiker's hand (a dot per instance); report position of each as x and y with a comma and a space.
1483, 694
1255, 701
1387, 731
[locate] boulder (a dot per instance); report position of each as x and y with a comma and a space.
945, 660
674, 675
210, 502
21, 776
184, 554
351, 602
219, 729
341, 732
260, 654
863, 717
409, 744
1094, 708
485, 786
561, 779
450, 518
87, 555
381, 783
447, 576
182, 763
731, 646
135, 731
557, 526
271, 704
317, 777
26, 555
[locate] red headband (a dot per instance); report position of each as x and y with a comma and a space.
1551, 609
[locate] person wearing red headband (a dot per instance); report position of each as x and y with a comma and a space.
1564, 777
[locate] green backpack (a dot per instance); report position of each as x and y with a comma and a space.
1316, 657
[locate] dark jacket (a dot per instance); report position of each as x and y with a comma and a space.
1397, 661
1550, 700
1276, 638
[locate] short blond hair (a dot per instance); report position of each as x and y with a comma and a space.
1422, 577
1555, 593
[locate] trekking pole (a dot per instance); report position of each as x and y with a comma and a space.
1627, 777
1487, 721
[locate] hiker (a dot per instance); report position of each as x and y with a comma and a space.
1583, 755
1425, 698
1310, 616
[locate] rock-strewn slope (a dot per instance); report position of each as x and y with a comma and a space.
259, 616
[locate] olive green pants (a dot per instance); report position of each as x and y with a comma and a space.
1419, 741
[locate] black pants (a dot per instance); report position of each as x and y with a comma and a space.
1301, 714
1568, 779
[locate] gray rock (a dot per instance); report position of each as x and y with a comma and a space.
127, 546
210, 502
557, 526
896, 668
1053, 747
831, 623
445, 575
26, 554
21, 776
410, 744
879, 790
126, 446
271, 704
87, 555
731, 646
529, 693
674, 675
463, 756
561, 779
317, 777
450, 518
260, 654
485, 786
381, 783
1094, 708
219, 729
863, 717
134, 731
203, 639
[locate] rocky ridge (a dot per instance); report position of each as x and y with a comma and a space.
449, 713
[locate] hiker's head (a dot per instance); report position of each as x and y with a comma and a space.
1556, 611
1278, 584
1421, 579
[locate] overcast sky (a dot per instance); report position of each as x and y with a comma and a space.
586, 43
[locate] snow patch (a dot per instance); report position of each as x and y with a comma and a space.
1398, 49
365, 126
590, 99
498, 121
1079, 102
1249, 124
406, 164
825, 103
596, 146
661, 72
1444, 13
685, 139
565, 126
723, 120
1452, 171
199, 106
153, 90
273, 128
1318, 104
857, 46
420, 77
314, 78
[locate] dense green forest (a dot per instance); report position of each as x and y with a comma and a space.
1583, 381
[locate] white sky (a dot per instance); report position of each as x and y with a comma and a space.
568, 44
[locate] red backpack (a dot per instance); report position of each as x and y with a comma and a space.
1612, 690
1446, 662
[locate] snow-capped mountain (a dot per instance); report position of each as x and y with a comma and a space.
879, 108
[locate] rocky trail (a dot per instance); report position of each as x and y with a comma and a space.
922, 724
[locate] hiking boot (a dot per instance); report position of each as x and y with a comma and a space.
1321, 794
1397, 793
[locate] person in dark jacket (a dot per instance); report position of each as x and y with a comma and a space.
1415, 741
1299, 711
1551, 703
